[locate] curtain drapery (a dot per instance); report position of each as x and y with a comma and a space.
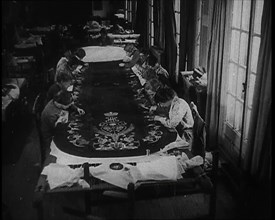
215, 73
159, 34
257, 159
134, 13
188, 33
170, 51
141, 23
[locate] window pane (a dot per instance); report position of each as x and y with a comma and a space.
238, 116
239, 82
248, 113
251, 89
177, 18
177, 39
177, 5
232, 78
243, 49
230, 110
246, 14
255, 52
177, 65
152, 41
234, 51
258, 16
152, 29
237, 9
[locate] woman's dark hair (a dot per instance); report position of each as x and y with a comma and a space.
153, 84
63, 97
164, 94
80, 53
67, 52
103, 31
129, 47
152, 60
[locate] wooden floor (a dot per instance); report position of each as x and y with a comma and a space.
165, 208
19, 177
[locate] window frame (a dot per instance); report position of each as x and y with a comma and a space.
129, 10
235, 142
177, 12
151, 22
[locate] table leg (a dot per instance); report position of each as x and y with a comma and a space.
38, 205
88, 203
131, 197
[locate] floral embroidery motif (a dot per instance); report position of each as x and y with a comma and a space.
114, 134
154, 134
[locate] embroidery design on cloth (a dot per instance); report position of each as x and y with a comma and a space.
114, 134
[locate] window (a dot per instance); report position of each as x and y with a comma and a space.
177, 18
129, 10
151, 23
244, 46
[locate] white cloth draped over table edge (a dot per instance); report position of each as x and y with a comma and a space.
103, 53
124, 36
165, 167
157, 166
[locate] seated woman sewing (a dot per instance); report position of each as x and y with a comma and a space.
64, 81
69, 62
174, 113
54, 112
63, 65
77, 57
161, 73
151, 86
117, 29
132, 55
104, 39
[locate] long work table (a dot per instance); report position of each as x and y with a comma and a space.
115, 130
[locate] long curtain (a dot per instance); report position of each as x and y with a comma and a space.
215, 73
159, 34
188, 32
170, 52
134, 13
257, 160
141, 25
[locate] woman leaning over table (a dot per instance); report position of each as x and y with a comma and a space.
56, 111
174, 113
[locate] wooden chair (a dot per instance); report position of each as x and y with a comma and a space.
38, 106
199, 148
199, 133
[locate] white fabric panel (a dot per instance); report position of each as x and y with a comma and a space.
103, 54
